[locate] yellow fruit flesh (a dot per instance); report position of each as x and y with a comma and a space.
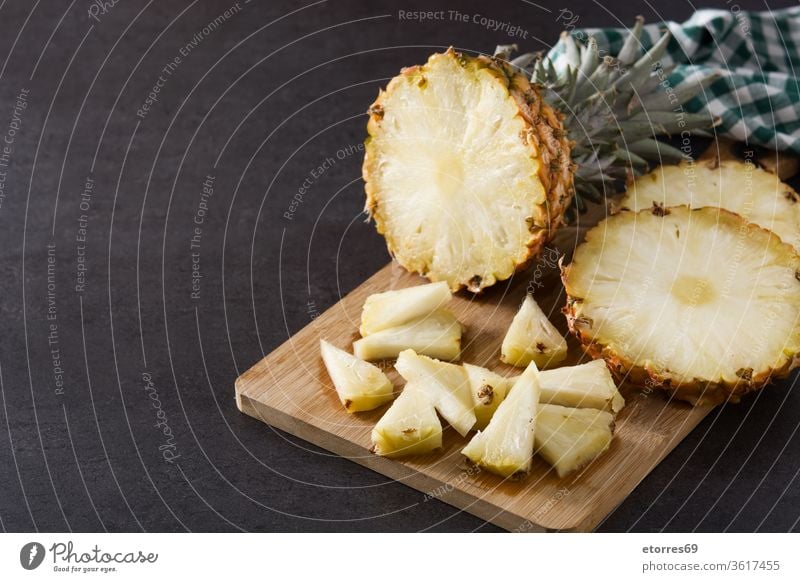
532, 338
437, 335
397, 307
409, 427
360, 385
570, 438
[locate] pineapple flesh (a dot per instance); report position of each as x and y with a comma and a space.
488, 390
437, 335
532, 338
467, 169
409, 427
570, 438
699, 302
588, 385
360, 385
505, 447
396, 307
741, 187
445, 384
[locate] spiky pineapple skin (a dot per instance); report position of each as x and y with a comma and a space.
544, 134
699, 392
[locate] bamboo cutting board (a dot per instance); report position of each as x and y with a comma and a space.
292, 391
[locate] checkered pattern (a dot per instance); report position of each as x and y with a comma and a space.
758, 55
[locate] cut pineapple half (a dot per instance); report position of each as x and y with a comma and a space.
409, 427
505, 447
699, 302
589, 385
467, 169
741, 187
570, 438
437, 335
396, 307
488, 390
532, 338
360, 385
445, 384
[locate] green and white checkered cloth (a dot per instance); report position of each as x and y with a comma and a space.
758, 54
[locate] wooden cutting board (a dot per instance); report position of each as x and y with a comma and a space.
290, 390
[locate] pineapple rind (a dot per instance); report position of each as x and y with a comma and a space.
445, 384
570, 438
741, 187
399, 306
744, 363
437, 335
409, 427
547, 191
505, 446
359, 385
488, 390
531, 337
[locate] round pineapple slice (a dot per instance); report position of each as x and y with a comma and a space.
741, 187
467, 169
699, 302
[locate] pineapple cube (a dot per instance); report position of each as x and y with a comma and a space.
488, 390
570, 438
360, 385
409, 427
445, 384
394, 308
586, 386
505, 447
437, 335
531, 337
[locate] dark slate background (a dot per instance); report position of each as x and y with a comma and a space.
258, 103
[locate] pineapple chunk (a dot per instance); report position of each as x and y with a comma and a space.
409, 427
586, 386
445, 384
438, 335
505, 447
569, 438
488, 390
360, 385
393, 308
532, 337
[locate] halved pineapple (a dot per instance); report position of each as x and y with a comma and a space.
570, 438
445, 384
488, 390
531, 337
360, 385
505, 447
467, 169
589, 385
437, 335
409, 427
399, 306
699, 302
741, 187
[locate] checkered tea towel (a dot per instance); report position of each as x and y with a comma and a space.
758, 55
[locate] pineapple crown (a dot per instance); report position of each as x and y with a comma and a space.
614, 107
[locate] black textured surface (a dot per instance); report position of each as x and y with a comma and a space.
258, 103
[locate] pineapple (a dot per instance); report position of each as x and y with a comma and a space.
488, 390
445, 384
360, 385
394, 308
740, 187
409, 427
570, 438
532, 337
472, 162
437, 335
505, 447
586, 386
699, 302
